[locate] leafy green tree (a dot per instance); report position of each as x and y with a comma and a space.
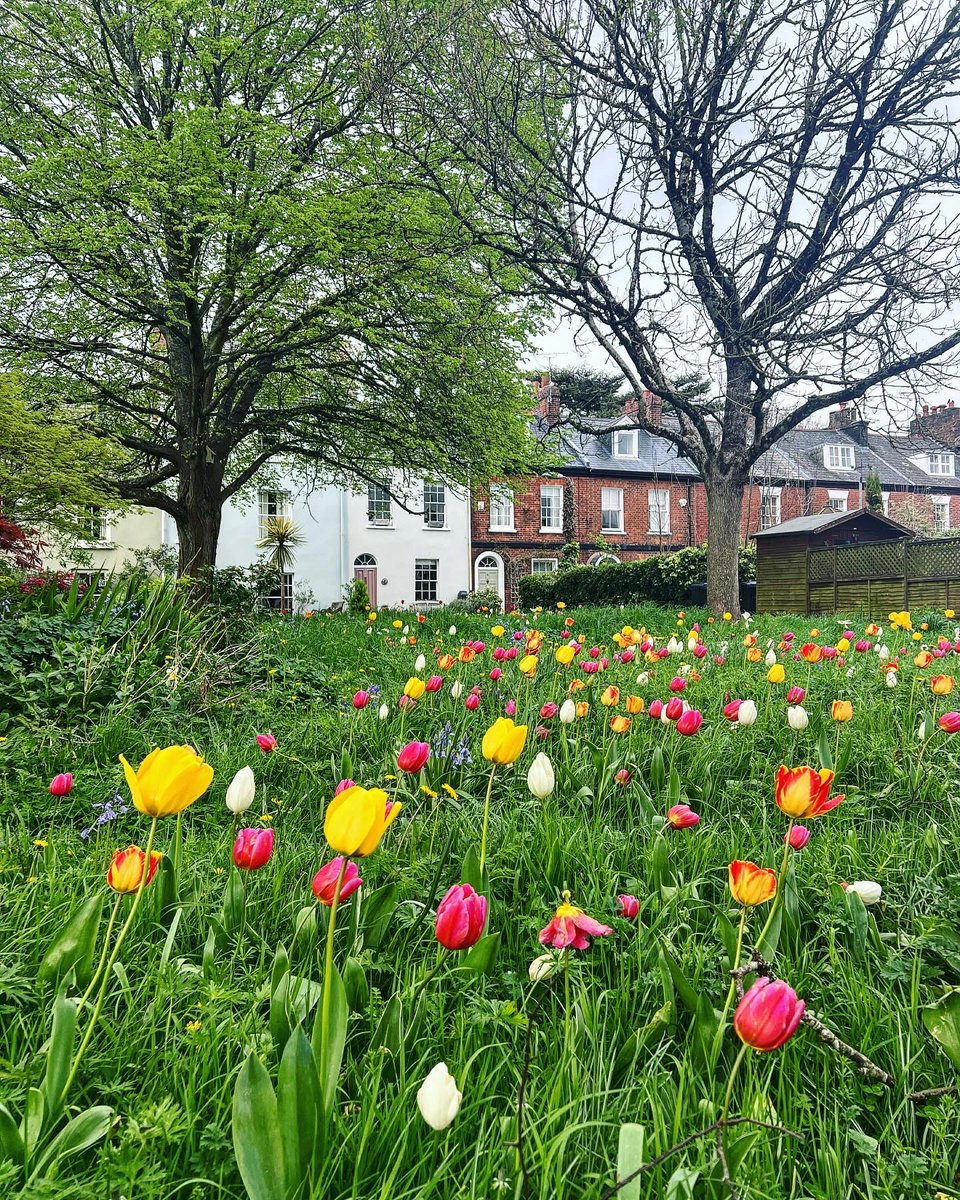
214, 252
873, 491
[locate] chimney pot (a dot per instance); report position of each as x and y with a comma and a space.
926, 410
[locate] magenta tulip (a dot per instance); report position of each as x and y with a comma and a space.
325, 881
60, 785
413, 756
768, 1015
252, 849
461, 916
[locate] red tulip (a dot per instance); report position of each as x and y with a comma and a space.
732, 710
622, 777
472, 702
795, 695
655, 709
267, 742
797, 837
689, 722
510, 652
461, 916
627, 656
499, 654
682, 816
699, 650
629, 907
594, 651
60, 785
677, 684
252, 848
549, 710
495, 673
674, 709
413, 756
361, 699
434, 683
768, 1015
950, 722
325, 881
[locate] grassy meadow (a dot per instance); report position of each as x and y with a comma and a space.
617, 1052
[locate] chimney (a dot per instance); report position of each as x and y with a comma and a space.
940, 422
653, 406
631, 407
548, 400
847, 417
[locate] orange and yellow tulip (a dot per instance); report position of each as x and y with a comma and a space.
610, 696
841, 710
922, 659
619, 724
810, 652
941, 685
802, 792
634, 705
126, 869
750, 884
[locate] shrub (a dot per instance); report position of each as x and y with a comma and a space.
357, 597
662, 578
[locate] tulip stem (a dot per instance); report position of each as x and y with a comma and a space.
486, 820
328, 969
103, 956
730, 1082
733, 982
781, 884
102, 994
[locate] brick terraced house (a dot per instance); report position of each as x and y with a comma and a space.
623, 493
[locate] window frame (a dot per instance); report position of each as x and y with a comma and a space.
103, 536
281, 600
604, 509
497, 492
284, 508
557, 489
437, 506
549, 570
656, 506
944, 456
835, 496
842, 451
768, 494
372, 501
419, 579
632, 435
940, 502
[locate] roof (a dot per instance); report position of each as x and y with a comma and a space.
823, 521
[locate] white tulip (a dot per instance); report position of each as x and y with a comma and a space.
684, 669
540, 777
453, 630
643, 678
868, 891
542, 968
883, 652
420, 663
771, 658
240, 793
384, 711
922, 732
956, 633
369, 630
747, 713
673, 646
891, 679
457, 690
797, 717
692, 641
568, 712
849, 672
405, 630
746, 618
438, 1098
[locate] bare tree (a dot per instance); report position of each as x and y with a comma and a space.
763, 189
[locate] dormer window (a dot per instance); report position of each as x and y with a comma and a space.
839, 458
625, 443
940, 463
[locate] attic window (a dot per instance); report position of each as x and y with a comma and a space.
839, 458
940, 464
625, 443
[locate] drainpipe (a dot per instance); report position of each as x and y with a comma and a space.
344, 552
470, 579
689, 513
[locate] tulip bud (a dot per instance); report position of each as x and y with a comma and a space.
456, 691
797, 717
770, 658
241, 792
656, 709
868, 891
412, 758
60, 785
461, 916
795, 695
384, 712
453, 630
542, 968
325, 881
768, 1015
438, 1098
434, 683
568, 712
797, 837
420, 663
890, 679
674, 709
689, 722
883, 653
472, 702
747, 713
361, 699
629, 907
540, 777
252, 849
950, 722
267, 742
510, 708
622, 777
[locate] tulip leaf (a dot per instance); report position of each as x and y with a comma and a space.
470, 872
706, 1019
339, 1014
165, 888
355, 985
59, 1052
942, 1019
480, 958
257, 1142
626, 1058
661, 875
657, 770
298, 1105
377, 909
33, 1118
279, 1010
388, 1033
79, 1134
629, 1160
74, 947
824, 750
673, 792
11, 1144
767, 945
233, 903
858, 924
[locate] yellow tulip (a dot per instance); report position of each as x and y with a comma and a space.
582, 708
168, 780
503, 741
357, 819
841, 710
843, 645
414, 688
776, 674
528, 665
498, 630
634, 705
565, 655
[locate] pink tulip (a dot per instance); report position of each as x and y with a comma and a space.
768, 1015
361, 699
732, 710
674, 709
252, 848
343, 785
677, 684
510, 708
495, 674
499, 654
325, 881
629, 907
795, 695
589, 667
664, 653
406, 702
797, 837
950, 722
267, 742
861, 645
646, 646
479, 647
689, 722
433, 684
472, 702
549, 710
682, 816
627, 656
413, 757
655, 709
699, 650
594, 651
60, 785
623, 777
511, 652
829, 652
461, 916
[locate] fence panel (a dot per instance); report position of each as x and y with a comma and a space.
877, 577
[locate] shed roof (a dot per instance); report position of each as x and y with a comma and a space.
827, 520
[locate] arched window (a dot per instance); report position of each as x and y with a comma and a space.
599, 559
488, 561
364, 560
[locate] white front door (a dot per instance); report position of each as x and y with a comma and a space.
488, 574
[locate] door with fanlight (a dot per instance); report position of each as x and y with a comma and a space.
489, 574
365, 568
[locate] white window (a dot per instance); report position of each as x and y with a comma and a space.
839, 458
658, 508
94, 527
272, 504
625, 443
886, 503
379, 511
837, 502
941, 514
434, 505
611, 510
281, 595
551, 508
769, 507
941, 464
501, 507
543, 566
425, 580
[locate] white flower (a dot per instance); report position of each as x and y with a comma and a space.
891, 679
405, 630
684, 669
868, 891
240, 793
771, 658
883, 652
643, 678
922, 732
369, 630
384, 711
420, 663
692, 641
797, 717
540, 777
747, 713
453, 630
568, 712
457, 690
438, 1098
746, 618
673, 646
849, 672
542, 968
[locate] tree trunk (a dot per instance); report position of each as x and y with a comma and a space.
198, 529
724, 505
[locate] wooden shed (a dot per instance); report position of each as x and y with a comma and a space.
784, 559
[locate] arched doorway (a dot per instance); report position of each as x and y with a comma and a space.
365, 568
488, 574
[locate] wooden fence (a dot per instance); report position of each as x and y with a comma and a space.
882, 577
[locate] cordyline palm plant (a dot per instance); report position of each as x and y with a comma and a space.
281, 538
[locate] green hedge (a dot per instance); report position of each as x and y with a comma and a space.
662, 578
